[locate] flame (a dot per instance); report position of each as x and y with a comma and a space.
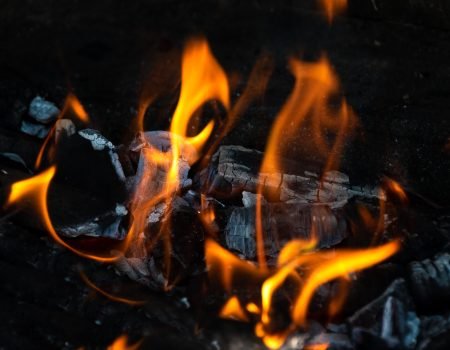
233, 310
320, 267
307, 106
396, 189
227, 266
333, 8
343, 263
33, 191
202, 80
121, 343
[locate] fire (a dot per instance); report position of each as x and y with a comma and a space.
333, 8
308, 106
308, 269
33, 192
315, 104
121, 343
342, 264
233, 310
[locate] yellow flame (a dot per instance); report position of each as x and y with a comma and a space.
233, 310
342, 264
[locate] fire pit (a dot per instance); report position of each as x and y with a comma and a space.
225, 176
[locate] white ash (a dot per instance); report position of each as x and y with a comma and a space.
43, 111
121, 210
157, 213
33, 129
100, 143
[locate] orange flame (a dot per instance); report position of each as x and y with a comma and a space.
233, 310
322, 266
33, 191
121, 343
333, 8
202, 80
307, 106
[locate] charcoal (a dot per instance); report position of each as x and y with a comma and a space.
178, 221
33, 129
234, 169
370, 315
108, 225
390, 317
430, 282
281, 223
434, 332
42, 110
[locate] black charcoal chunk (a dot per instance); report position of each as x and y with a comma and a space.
430, 282
434, 332
282, 222
390, 319
335, 341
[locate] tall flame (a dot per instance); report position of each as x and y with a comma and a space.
308, 106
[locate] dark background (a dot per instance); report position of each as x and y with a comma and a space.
392, 62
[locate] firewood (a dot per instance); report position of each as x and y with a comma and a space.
234, 169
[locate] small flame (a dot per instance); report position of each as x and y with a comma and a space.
121, 343
233, 310
396, 189
333, 8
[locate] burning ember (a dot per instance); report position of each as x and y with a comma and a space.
260, 229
